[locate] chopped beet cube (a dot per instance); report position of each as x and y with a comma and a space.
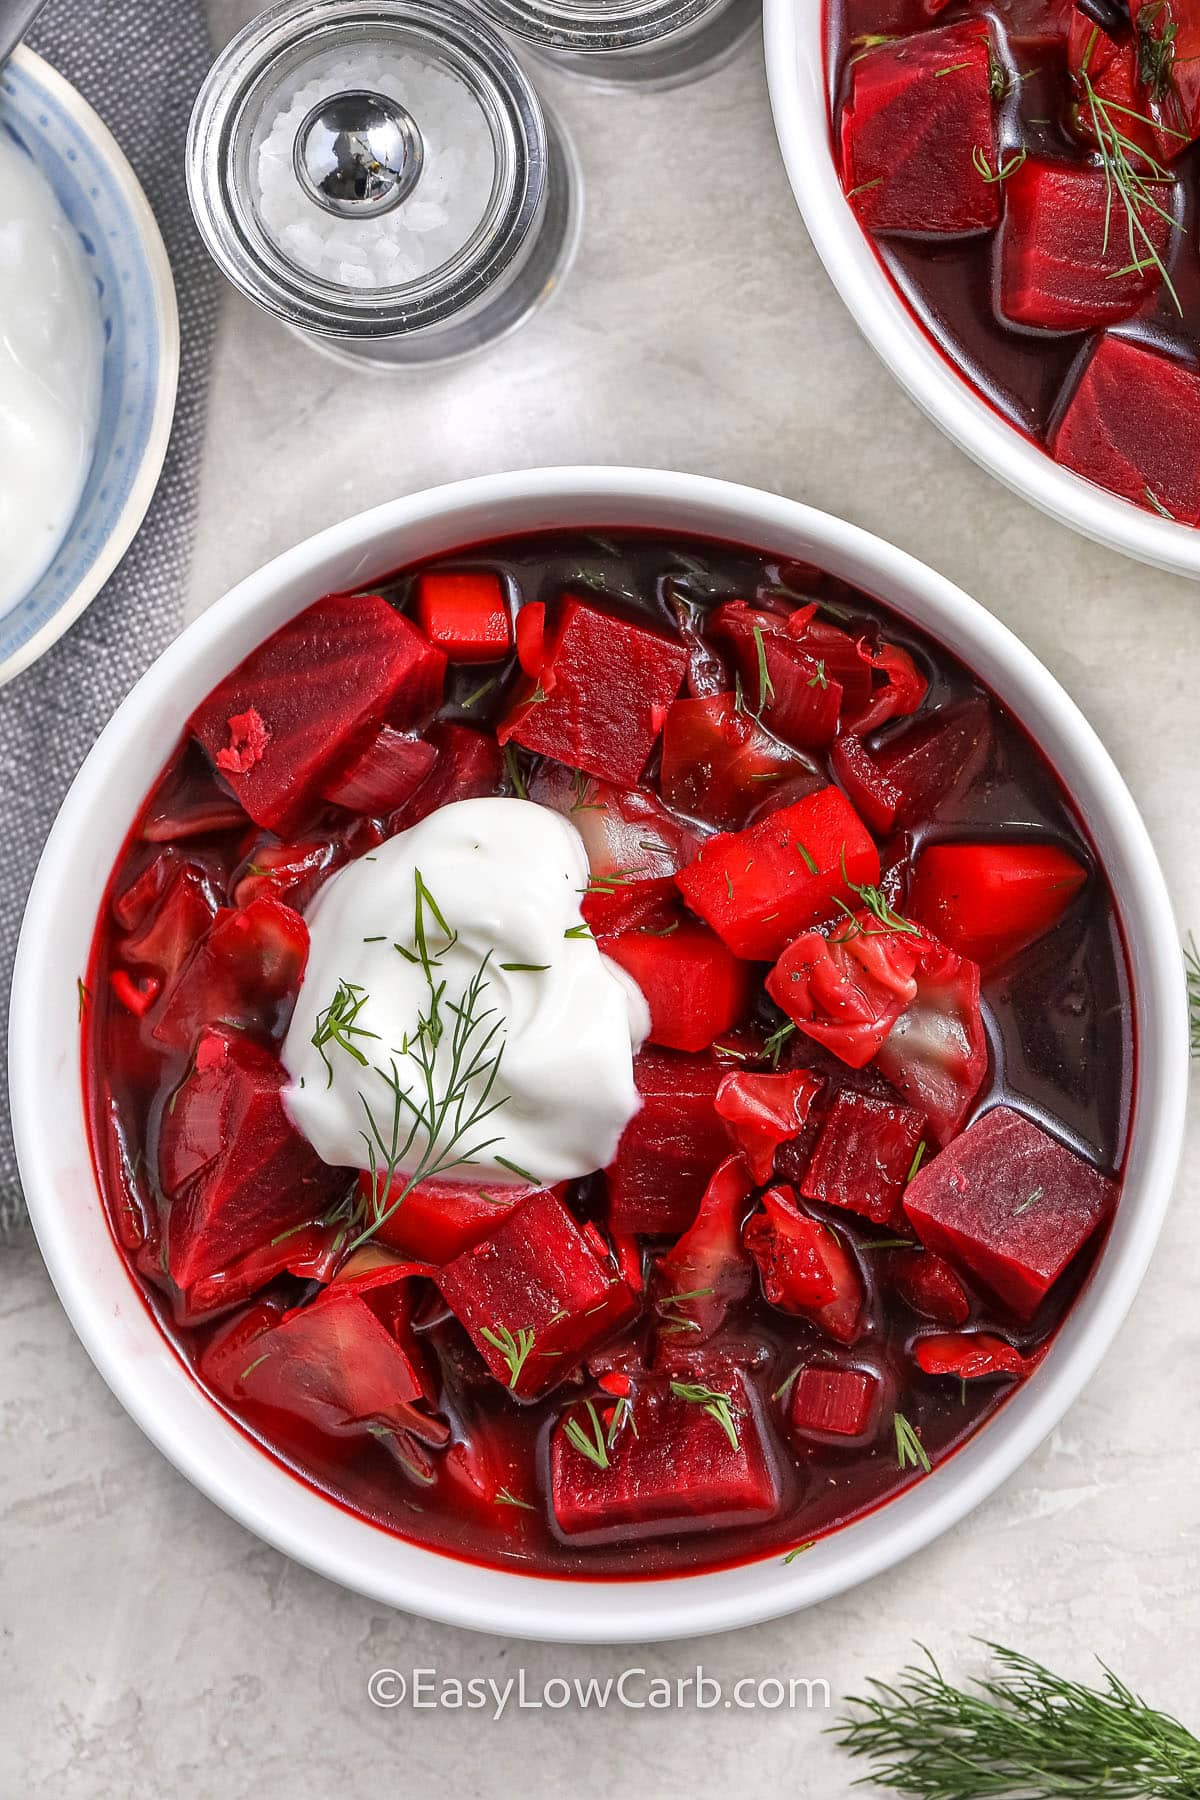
535, 1296
805, 1266
830, 1403
531, 638
935, 760
695, 988
708, 1270
1010, 1205
672, 1465
936, 1053
927, 1283
846, 992
764, 1111
1132, 425
464, 614
245, 972
1065, 258
601, 696
235, 1171
468, 767
918, 136
375, 666
440, 1219
386, 776
783, 682
863, 1155
757, 888
988, 901
669, 1148
169, 933
968, 1355
873, 795
719, 765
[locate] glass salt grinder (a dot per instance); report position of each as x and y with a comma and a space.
381, 175
648, 44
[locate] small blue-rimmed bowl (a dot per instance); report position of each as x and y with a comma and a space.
100, 195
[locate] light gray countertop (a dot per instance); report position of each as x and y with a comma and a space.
150, 1647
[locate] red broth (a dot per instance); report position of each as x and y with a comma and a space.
829, 1418
1027, 287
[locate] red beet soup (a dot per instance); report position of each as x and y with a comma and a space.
874, 1133
1027, 172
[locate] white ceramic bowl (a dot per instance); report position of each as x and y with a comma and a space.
100, 195
794, 45
103, 1303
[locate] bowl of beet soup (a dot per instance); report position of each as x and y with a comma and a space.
908, 1046
1003, 192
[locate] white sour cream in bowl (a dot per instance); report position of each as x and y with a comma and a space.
51, 352
457, 951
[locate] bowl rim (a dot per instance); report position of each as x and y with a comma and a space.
166, 305
794, 46
151, 1382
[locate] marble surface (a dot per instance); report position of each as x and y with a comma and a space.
148, 1646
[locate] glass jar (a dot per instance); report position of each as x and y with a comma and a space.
624, 43
381, 175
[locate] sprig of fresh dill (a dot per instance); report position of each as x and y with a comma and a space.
457, 1048
1021, 1733
1125, 181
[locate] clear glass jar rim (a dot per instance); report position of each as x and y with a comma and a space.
255, 266
589, 26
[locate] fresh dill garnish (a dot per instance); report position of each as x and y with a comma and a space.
766, 687
810, 861
729, 884
380, 939
578, 931
864, 187
786, 1385
885, 1243
877, 904
798, 1551
714, 1403
477, 694
1124, 180
1032, 1200
594, 1446
83, 994
1003, 169
1164, 512
457, 1047
910, 1451
659, 930
774, 1044
914, 1165
585, 790
516, 1169
513, 1347
504, 1498
1021, 1733
1191, 964
336, 1025
820, 679
524, 968
951, 69
513, 770
1156, 52
250, 1367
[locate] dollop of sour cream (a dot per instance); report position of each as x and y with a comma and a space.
51, 351
451, 980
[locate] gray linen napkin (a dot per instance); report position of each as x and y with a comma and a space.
140, 64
